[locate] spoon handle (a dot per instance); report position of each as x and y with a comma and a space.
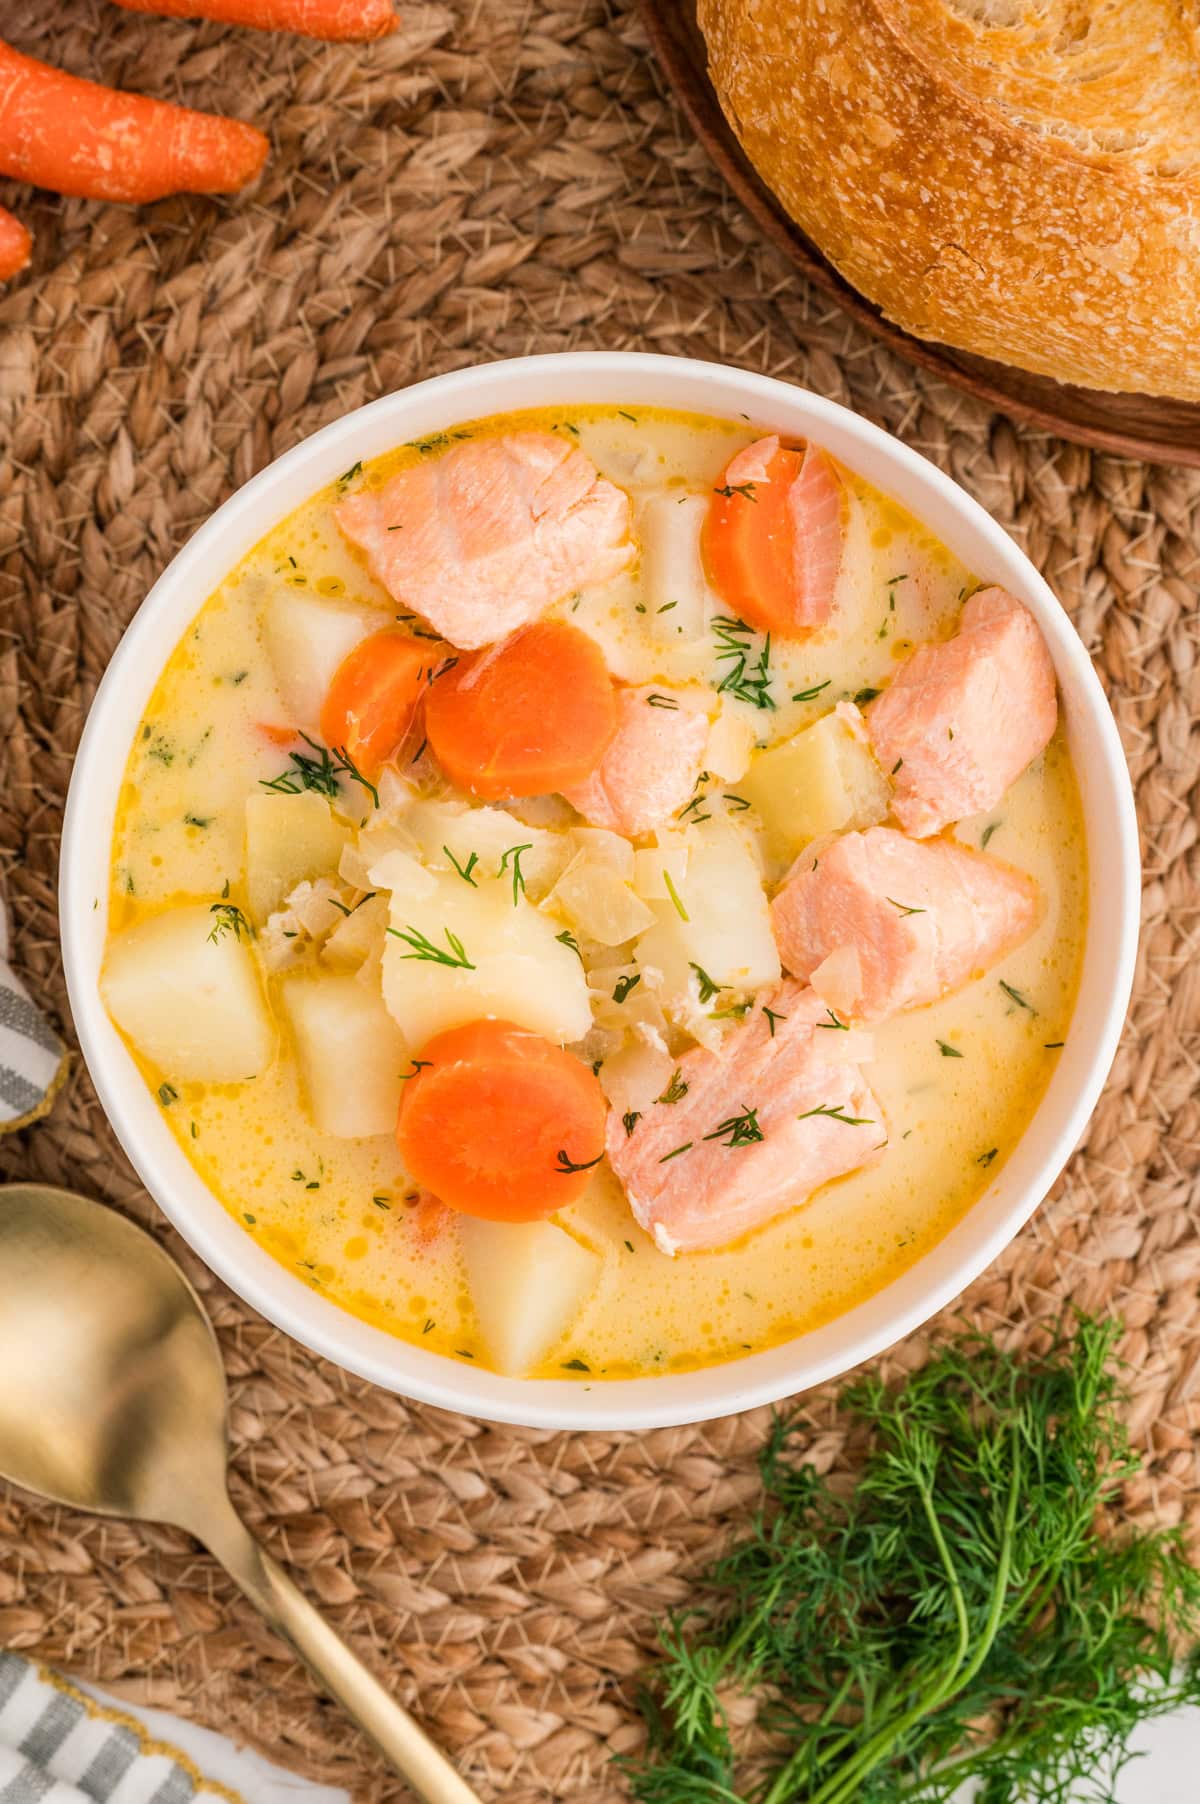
340, 1672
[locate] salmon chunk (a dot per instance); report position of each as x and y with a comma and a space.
484, 538
878, 922
650, 768
961, 720
754, 1129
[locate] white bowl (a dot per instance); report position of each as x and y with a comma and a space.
567, 380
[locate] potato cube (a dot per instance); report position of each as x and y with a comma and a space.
461, 953
529, 1281
350, 1052
823, 780
678, 598
718, 919
307, 638
288, 838
191, 1003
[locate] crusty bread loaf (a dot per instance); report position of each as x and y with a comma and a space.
1018, 178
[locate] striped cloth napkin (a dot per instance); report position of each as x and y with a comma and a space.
33, 1059
58, 1747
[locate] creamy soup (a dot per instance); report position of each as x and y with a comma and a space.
287, 917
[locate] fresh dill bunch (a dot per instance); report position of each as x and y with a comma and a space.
973, 1611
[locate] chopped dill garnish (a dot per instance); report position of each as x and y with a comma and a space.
772, 1017
417, 1065
564, 1163
697, 801
708, 989
1053, 1045
897, 765
833, 1022
661, 701
742, 1130
677, 1089
381, 1201
624, 985
680, 910
745, 489
1016, 996
349, 475
518, 876
320, 773
992, 827
866, 695
198, 820
947, 1051
750, 682
666, 607
567, 938
575, 1365
986, 1158
430, 1325
904, 907
837, 1113
464, 871
628, 416
809, 695
737, 803
685, 1148
167, 1094
230, 919
735, 1011
629, 1121
423, 947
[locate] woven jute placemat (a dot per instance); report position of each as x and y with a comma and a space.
495, 179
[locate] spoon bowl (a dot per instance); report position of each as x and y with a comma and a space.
114, 1401
115, 1396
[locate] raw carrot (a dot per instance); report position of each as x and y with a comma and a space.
77, 137
375, 693
527, 717
500, 1123
772, 543
15, 245
347, 19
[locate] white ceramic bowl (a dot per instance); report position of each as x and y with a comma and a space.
637, 1403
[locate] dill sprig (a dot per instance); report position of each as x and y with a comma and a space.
230, 919
972, 1613
739, 1130
750, 682
708, 987
320, 772
423, 947
518, 876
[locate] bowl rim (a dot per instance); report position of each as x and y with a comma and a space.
674, 1398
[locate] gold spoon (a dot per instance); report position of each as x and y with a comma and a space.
113, 1399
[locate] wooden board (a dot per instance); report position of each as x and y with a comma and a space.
1144, 426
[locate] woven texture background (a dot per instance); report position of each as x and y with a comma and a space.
501, 176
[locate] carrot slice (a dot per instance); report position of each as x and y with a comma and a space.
527, 717
77, 137
15, 244
375, 693
500, 1123
772, 537
358, 20
276, 735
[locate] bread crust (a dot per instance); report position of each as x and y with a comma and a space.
1028, 191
